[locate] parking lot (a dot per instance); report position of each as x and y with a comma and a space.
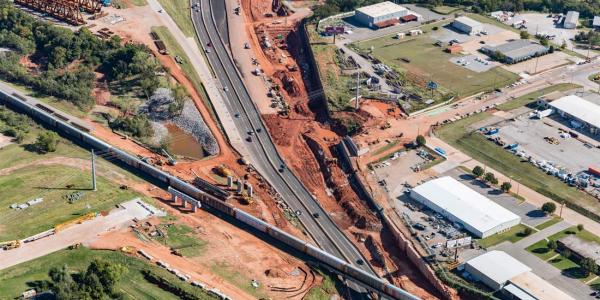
473, 63
533, 137
402, 167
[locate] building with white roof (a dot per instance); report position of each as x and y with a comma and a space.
571, 20
596, 22
500, 271
380, 13
467, 25
460, 204
582, 113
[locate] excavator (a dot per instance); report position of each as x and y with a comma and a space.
10, 245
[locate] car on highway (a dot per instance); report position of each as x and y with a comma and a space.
360, 261
250, 132
316, 215
226, 89
207, 50
249, 139
281, 168
237, 115
258, 130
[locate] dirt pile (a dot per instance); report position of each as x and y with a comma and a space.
289, 83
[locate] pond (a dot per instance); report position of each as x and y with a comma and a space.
183, 143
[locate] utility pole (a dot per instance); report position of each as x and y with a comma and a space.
93, 171
357, 90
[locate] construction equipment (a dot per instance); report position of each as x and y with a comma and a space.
10, 245
246, 200
64, 10
78, 220
129, 250
224, 171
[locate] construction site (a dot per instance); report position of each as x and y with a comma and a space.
312, 140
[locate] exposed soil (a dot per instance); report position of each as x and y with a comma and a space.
305, 140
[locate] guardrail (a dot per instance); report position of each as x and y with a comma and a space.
355, 274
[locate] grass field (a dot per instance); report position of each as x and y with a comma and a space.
28, 181
430, 62
513, 235
445, 10
479, 148
179, 238
532, 97
176, 50
49, 182
179, 10
235, 277
15, 280
554, 220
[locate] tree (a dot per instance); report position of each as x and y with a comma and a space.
524, 34
478, 171
421, 141
551, 49
563, 45
589, 266
489, 177
552, 245
527, 231
494, 180
566, 253
97, 282
46, 142
505, 187
544, 41
579, 227
549, 207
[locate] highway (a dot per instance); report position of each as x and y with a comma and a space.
262, 150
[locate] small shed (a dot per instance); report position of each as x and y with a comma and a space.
408, 18
454, 49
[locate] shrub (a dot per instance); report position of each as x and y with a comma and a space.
549, 207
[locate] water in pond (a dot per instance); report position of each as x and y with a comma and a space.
183, 143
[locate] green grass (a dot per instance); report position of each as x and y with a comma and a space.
429, 62
459, 135
385, 148
445, 10
541, 250
49, 182
179, 237
176, 50
554, 220
139, 2
326, 290
179, 10
62, 105
15, 280
513, 235
235, 277
533, 96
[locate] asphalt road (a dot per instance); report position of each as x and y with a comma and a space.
264, 154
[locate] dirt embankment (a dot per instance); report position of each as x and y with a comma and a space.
305, 138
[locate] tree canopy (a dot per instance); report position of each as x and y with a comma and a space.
97, 282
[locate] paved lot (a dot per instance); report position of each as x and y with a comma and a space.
530, 215
571, 286
473, 63
399, 171
448, 33
82, 233
529, 133
539, 23
543, 63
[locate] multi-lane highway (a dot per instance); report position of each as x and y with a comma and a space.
260, 146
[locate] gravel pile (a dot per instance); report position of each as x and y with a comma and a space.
191, 122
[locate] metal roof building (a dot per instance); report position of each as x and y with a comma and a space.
467, 25
500, 271
596, 22
571, 20
460, 204
379, 13
579, 110
517, 50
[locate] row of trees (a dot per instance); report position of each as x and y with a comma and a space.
490, 178
587, 9
98, 281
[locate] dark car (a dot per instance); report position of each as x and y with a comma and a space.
360, 261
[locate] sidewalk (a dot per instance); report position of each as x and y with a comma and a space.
213, 90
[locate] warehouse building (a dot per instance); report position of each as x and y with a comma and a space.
380, 15
596, 22
502, 272
467, 25
460, 204
571, 20
581, 113
515, 51
581, 249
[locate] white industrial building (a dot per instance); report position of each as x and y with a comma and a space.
467, 25
581, 113
460, 204
380, 13
500, 271
596, 22
571, 20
